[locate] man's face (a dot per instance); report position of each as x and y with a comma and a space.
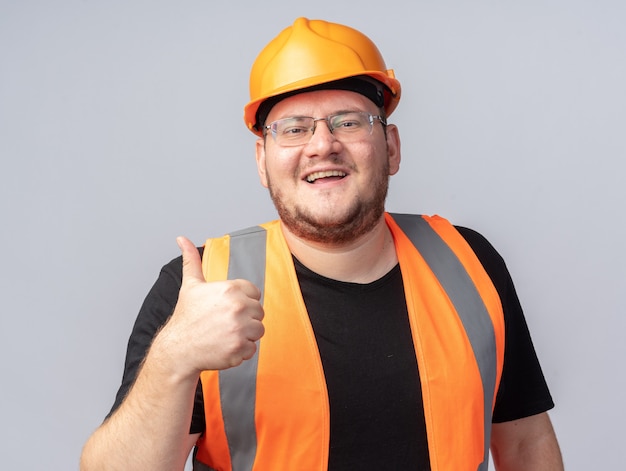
332, 209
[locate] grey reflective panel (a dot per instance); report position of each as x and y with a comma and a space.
247, 256
238, 385
466, 300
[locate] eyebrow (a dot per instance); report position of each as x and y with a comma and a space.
300, 116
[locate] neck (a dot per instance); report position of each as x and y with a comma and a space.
362, 260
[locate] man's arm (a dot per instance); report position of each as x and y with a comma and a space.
214, 326
527, 444
150, 429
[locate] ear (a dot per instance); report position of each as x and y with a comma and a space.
260, 161
393, 148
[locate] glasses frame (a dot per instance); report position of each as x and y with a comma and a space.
272, 127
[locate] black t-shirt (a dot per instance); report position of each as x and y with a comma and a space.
366, 346
375, 422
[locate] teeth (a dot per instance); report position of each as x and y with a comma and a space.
329, 173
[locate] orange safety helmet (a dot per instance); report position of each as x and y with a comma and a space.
311, 53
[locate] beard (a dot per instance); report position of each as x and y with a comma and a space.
361, 216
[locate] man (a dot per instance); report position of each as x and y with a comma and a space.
339, 337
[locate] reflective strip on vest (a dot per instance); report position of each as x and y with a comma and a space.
466, 300
237, 390
238, 385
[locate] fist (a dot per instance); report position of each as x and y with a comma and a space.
214, 325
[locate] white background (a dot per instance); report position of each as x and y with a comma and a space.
121, 128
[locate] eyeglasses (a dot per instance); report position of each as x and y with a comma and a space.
346, 127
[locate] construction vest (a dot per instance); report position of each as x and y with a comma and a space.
272, 411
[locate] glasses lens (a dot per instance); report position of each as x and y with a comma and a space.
353, 125
292, 131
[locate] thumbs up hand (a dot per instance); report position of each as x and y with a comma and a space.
215, 324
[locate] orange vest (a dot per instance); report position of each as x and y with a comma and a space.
272, 411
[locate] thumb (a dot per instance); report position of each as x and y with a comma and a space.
192, 264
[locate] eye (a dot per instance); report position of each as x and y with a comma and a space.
348, 122
293, 130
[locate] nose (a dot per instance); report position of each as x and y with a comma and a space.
322, 141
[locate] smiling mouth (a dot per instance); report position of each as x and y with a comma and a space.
335, 174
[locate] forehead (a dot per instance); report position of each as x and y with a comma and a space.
320, 103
